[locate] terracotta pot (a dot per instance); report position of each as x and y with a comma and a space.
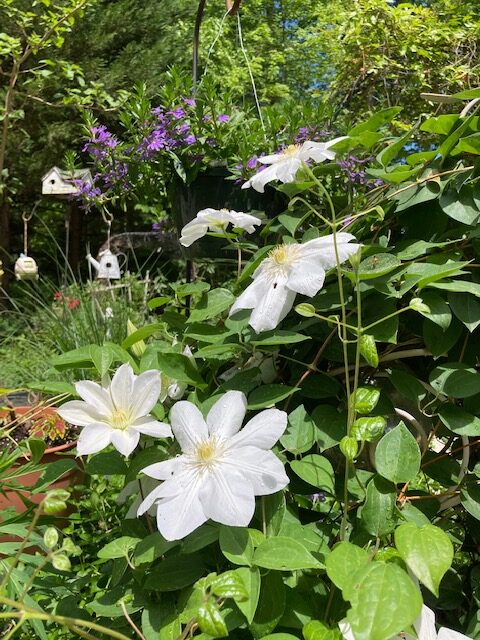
10, 497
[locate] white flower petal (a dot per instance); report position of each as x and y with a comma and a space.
176, 390
188, 425
227, 497
179, 516
425, 624
306, 277
346, 629
324, 249
93, 438
226, 416
193, 231
165, 469
121, 386
149, 501
252, 296
151, 427
273, 307
95, 395
79, 413
260, 179
145, 393
262, 431
287, 171
244, 220
125, 440
263, 469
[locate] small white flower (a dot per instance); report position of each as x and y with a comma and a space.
221, 468
424, 626
284, 165
216, 220
117, 413
290, 269
171, 388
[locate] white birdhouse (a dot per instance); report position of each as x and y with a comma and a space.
26, 268
57, 182
108, 267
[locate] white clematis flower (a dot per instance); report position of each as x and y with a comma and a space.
116, 414
290, 269
424, 626
283, 166
216, 220
221, 468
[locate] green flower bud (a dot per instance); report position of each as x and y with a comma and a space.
50, 538
306, 310
61, 562
349, 447
417, 304
138, 348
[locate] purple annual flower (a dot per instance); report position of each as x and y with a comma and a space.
223, 117
178, 113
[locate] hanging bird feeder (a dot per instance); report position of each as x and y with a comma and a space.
25, 267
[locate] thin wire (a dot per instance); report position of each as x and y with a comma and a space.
212, 46
252, 80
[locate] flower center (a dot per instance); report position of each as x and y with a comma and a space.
119, 419
291, 150
207, 452
284, 254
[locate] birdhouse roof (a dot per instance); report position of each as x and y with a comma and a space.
60, 182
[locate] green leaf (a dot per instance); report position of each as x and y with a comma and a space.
175, 572
368, 429
54, 471
439, 311
455, 379
236, 545
229, 585
368, 349
376, 265
106, 464
365, 399
460, 205
211, 305
159, 301
300, 435
466, 308
279, 336
179, 367
271, 605
397, 456
37, 448
331, 425
190, 289
407, 385
344, 560
284, 554
440, 124
391, 151
470, 498
375, 121
377, 612
427, 551
458, 420
118, 548
439, 341
102, 358
268, 395
378, 511
142, 333
469, 144
315, 470
459, 286
211, 621
316, 630
250, 577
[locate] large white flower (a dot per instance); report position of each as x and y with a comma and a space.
283, 166
424, 626
221, 468
216, 220
116, 413
290, 269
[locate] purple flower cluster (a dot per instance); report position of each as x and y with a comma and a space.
354, 170
101, 142
312, 132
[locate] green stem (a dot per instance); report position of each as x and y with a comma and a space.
390, 315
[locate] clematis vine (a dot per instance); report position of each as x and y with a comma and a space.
424, 627
116, 413
216, 220
284, 165
221, 469
287, 270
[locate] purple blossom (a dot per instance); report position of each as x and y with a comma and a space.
190, 101
178, 113
354, 171
252, 163
223, 117
191, 139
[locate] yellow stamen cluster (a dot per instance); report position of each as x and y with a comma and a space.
119, 419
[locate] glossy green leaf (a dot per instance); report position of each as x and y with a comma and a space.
397, 456
271, 605
455, 379
377, 612
316, 630
210, 620
316, 470
368, 429
212, 304
365, 399
268, 395
427, 551
343, 562
458, 420
378, 512
236, 545
229, 585
368, 349
118, 548
301, 433
284, 554
467, 309
250, 577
